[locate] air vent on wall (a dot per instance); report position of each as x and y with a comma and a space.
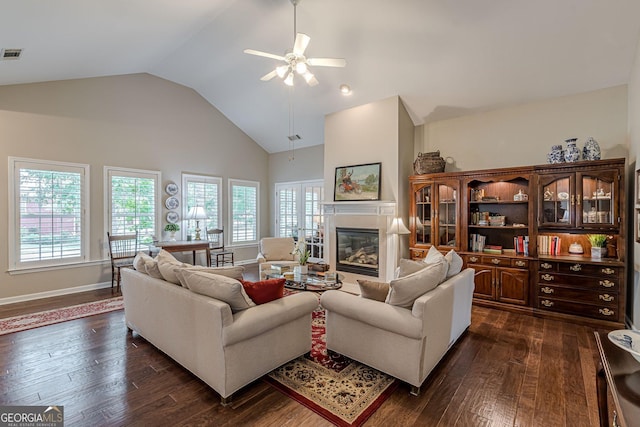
294, 137
8, 54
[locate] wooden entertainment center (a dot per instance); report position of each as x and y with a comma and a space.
522, 229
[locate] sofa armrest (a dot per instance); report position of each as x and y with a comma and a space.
375, 313
260, 258
261, 318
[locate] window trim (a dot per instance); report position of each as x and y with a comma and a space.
85, 240
107, 199
191, 177
245, 183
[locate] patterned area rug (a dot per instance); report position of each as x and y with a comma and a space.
339, 389
49, 317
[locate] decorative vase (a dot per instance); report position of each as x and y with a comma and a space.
598, 253
172, 236
591, 150
300, 269
556, 155
572, 153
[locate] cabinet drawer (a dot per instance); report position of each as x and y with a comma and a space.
604, 298
547, 266
579, 282
494, 260
589, 310
520, 263
589, 269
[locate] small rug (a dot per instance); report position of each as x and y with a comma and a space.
341, 390
49, 317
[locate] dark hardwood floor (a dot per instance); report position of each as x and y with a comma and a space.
508, 369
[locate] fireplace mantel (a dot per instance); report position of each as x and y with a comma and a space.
366, 207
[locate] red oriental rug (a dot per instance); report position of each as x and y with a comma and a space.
341, 390
49, 317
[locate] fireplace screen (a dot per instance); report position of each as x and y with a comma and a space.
357, 251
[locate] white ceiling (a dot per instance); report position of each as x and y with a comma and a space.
443, 58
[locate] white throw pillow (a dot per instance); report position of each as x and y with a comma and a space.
167, 263
232, 272
405, 290
219, 287
455, 263
139, 261
151, 267
409, 266
433, 257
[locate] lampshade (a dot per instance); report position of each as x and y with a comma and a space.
397, 227
197, 212
289, 80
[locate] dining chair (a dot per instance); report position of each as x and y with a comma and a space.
219, 254
122, 249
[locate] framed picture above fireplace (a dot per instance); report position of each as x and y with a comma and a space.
357, 182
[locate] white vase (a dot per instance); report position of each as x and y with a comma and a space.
172, 236
300, 269
598, 253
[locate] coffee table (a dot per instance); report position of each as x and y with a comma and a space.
308, 282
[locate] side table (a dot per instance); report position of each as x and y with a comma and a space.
621, 373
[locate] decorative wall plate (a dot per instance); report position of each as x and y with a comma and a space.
628, 340
172, 203
173, 217
171, 189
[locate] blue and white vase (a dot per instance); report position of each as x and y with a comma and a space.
572, 153
591, 150
556, 155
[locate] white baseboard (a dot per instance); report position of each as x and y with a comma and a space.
57, 292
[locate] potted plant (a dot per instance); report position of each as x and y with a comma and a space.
172, 228
303, 256
598, 245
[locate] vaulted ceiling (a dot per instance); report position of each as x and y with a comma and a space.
443, 58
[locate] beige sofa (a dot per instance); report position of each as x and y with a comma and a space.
404, 343
225, 350
275, 250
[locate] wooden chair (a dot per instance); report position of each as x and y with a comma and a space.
219, 254
122, 249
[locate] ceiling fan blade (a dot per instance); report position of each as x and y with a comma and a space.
327, 62
301, 43
265, 54
268, 76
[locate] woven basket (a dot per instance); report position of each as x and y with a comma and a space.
429, 163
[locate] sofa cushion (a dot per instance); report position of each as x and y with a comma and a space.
405, 290
409, 266
277, 248
152, 269
455, 263
167, 264
219, 287
139, 261
434, 256
263, 291
235, 272
370, 289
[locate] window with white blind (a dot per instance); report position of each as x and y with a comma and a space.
48, 213
204, 191
132, 202
299, 213
243, 210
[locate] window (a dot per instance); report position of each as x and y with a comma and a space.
243, 208
299, 214
132, 202
205, 191
49, 213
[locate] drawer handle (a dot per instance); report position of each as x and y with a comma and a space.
473, 258
550, 278
608, 271
575, 267
546, 290
546, 265
606, 312
495, 261
607, 284
606, 297
546, 303
520, 263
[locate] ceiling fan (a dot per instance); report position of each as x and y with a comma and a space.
295, 61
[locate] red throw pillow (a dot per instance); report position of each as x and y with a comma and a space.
265, 290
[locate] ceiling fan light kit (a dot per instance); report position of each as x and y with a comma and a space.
295, 59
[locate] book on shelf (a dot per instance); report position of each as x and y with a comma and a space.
521, 245
492, 249
549, 245
477, 242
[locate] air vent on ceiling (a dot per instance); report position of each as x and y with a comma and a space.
7, 54
294, 137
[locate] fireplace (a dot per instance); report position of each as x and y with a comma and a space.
358, 250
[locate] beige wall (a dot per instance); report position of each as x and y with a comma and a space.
523, 135
634, 152
134, 121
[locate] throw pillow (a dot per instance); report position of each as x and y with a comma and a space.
235, 272
408, 266
455, 263
433, 257
219, 287
167, 264
139, 261
151, 267
263, 291
377, 291
405, 290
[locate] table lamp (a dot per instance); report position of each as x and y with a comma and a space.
197, 213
